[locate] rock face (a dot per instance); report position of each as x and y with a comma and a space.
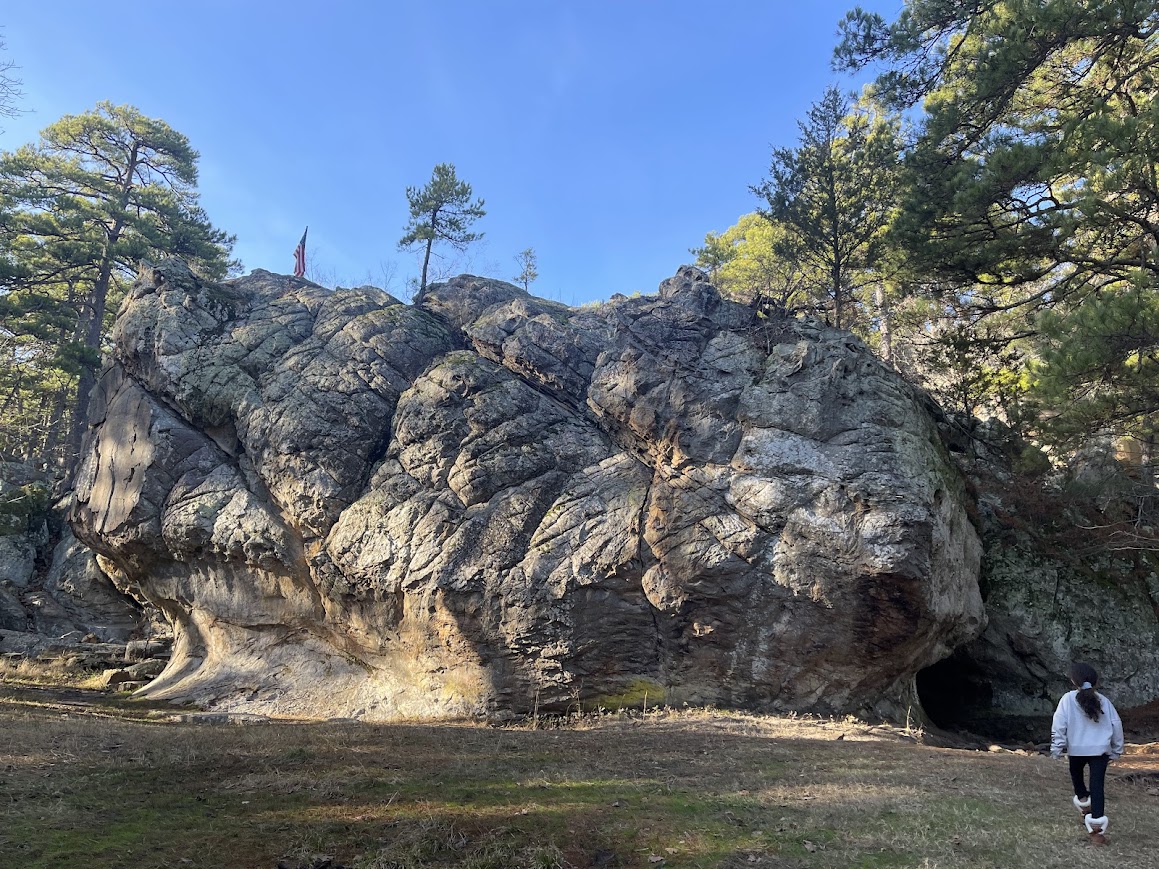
24, 495
1060, 584
488, 502
45, 591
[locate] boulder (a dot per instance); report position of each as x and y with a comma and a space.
114, 679
487, 502
50, 618
145, 650
17, 559
13, 615
145, 671
85, 595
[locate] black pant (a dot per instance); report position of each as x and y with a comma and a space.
1098, 773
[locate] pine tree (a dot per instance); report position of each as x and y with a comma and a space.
1098, 366
751, 262
717, 252
441, 211
834, 195
98, 192
1033, 180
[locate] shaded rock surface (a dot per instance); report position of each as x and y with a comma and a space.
488, 502
52, 590
1060, 584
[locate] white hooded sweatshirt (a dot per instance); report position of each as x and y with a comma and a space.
1075, 733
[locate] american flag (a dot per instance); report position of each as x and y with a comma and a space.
300, 256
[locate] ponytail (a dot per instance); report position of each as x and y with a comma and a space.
1085, 678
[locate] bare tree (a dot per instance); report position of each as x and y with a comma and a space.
10, 91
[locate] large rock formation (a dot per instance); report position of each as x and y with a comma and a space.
486, 501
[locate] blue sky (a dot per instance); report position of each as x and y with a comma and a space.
607, 136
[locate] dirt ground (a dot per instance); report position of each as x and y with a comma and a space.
1141, 724
102, 781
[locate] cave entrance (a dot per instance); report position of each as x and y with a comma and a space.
955, 693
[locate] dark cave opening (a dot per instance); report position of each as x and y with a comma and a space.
955, 693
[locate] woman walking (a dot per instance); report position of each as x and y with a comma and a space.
1087, 727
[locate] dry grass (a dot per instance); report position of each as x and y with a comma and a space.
106, 788
57, 669
35, 671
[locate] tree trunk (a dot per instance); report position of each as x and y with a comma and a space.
56, 425
838, 300
837, 263
13, 396
885, 316
426, 260
94, 327
92, 338
1147, 463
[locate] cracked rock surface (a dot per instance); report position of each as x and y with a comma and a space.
486, 502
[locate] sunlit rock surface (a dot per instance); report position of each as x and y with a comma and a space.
487, 502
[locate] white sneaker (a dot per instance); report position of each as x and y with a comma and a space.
1097, 828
